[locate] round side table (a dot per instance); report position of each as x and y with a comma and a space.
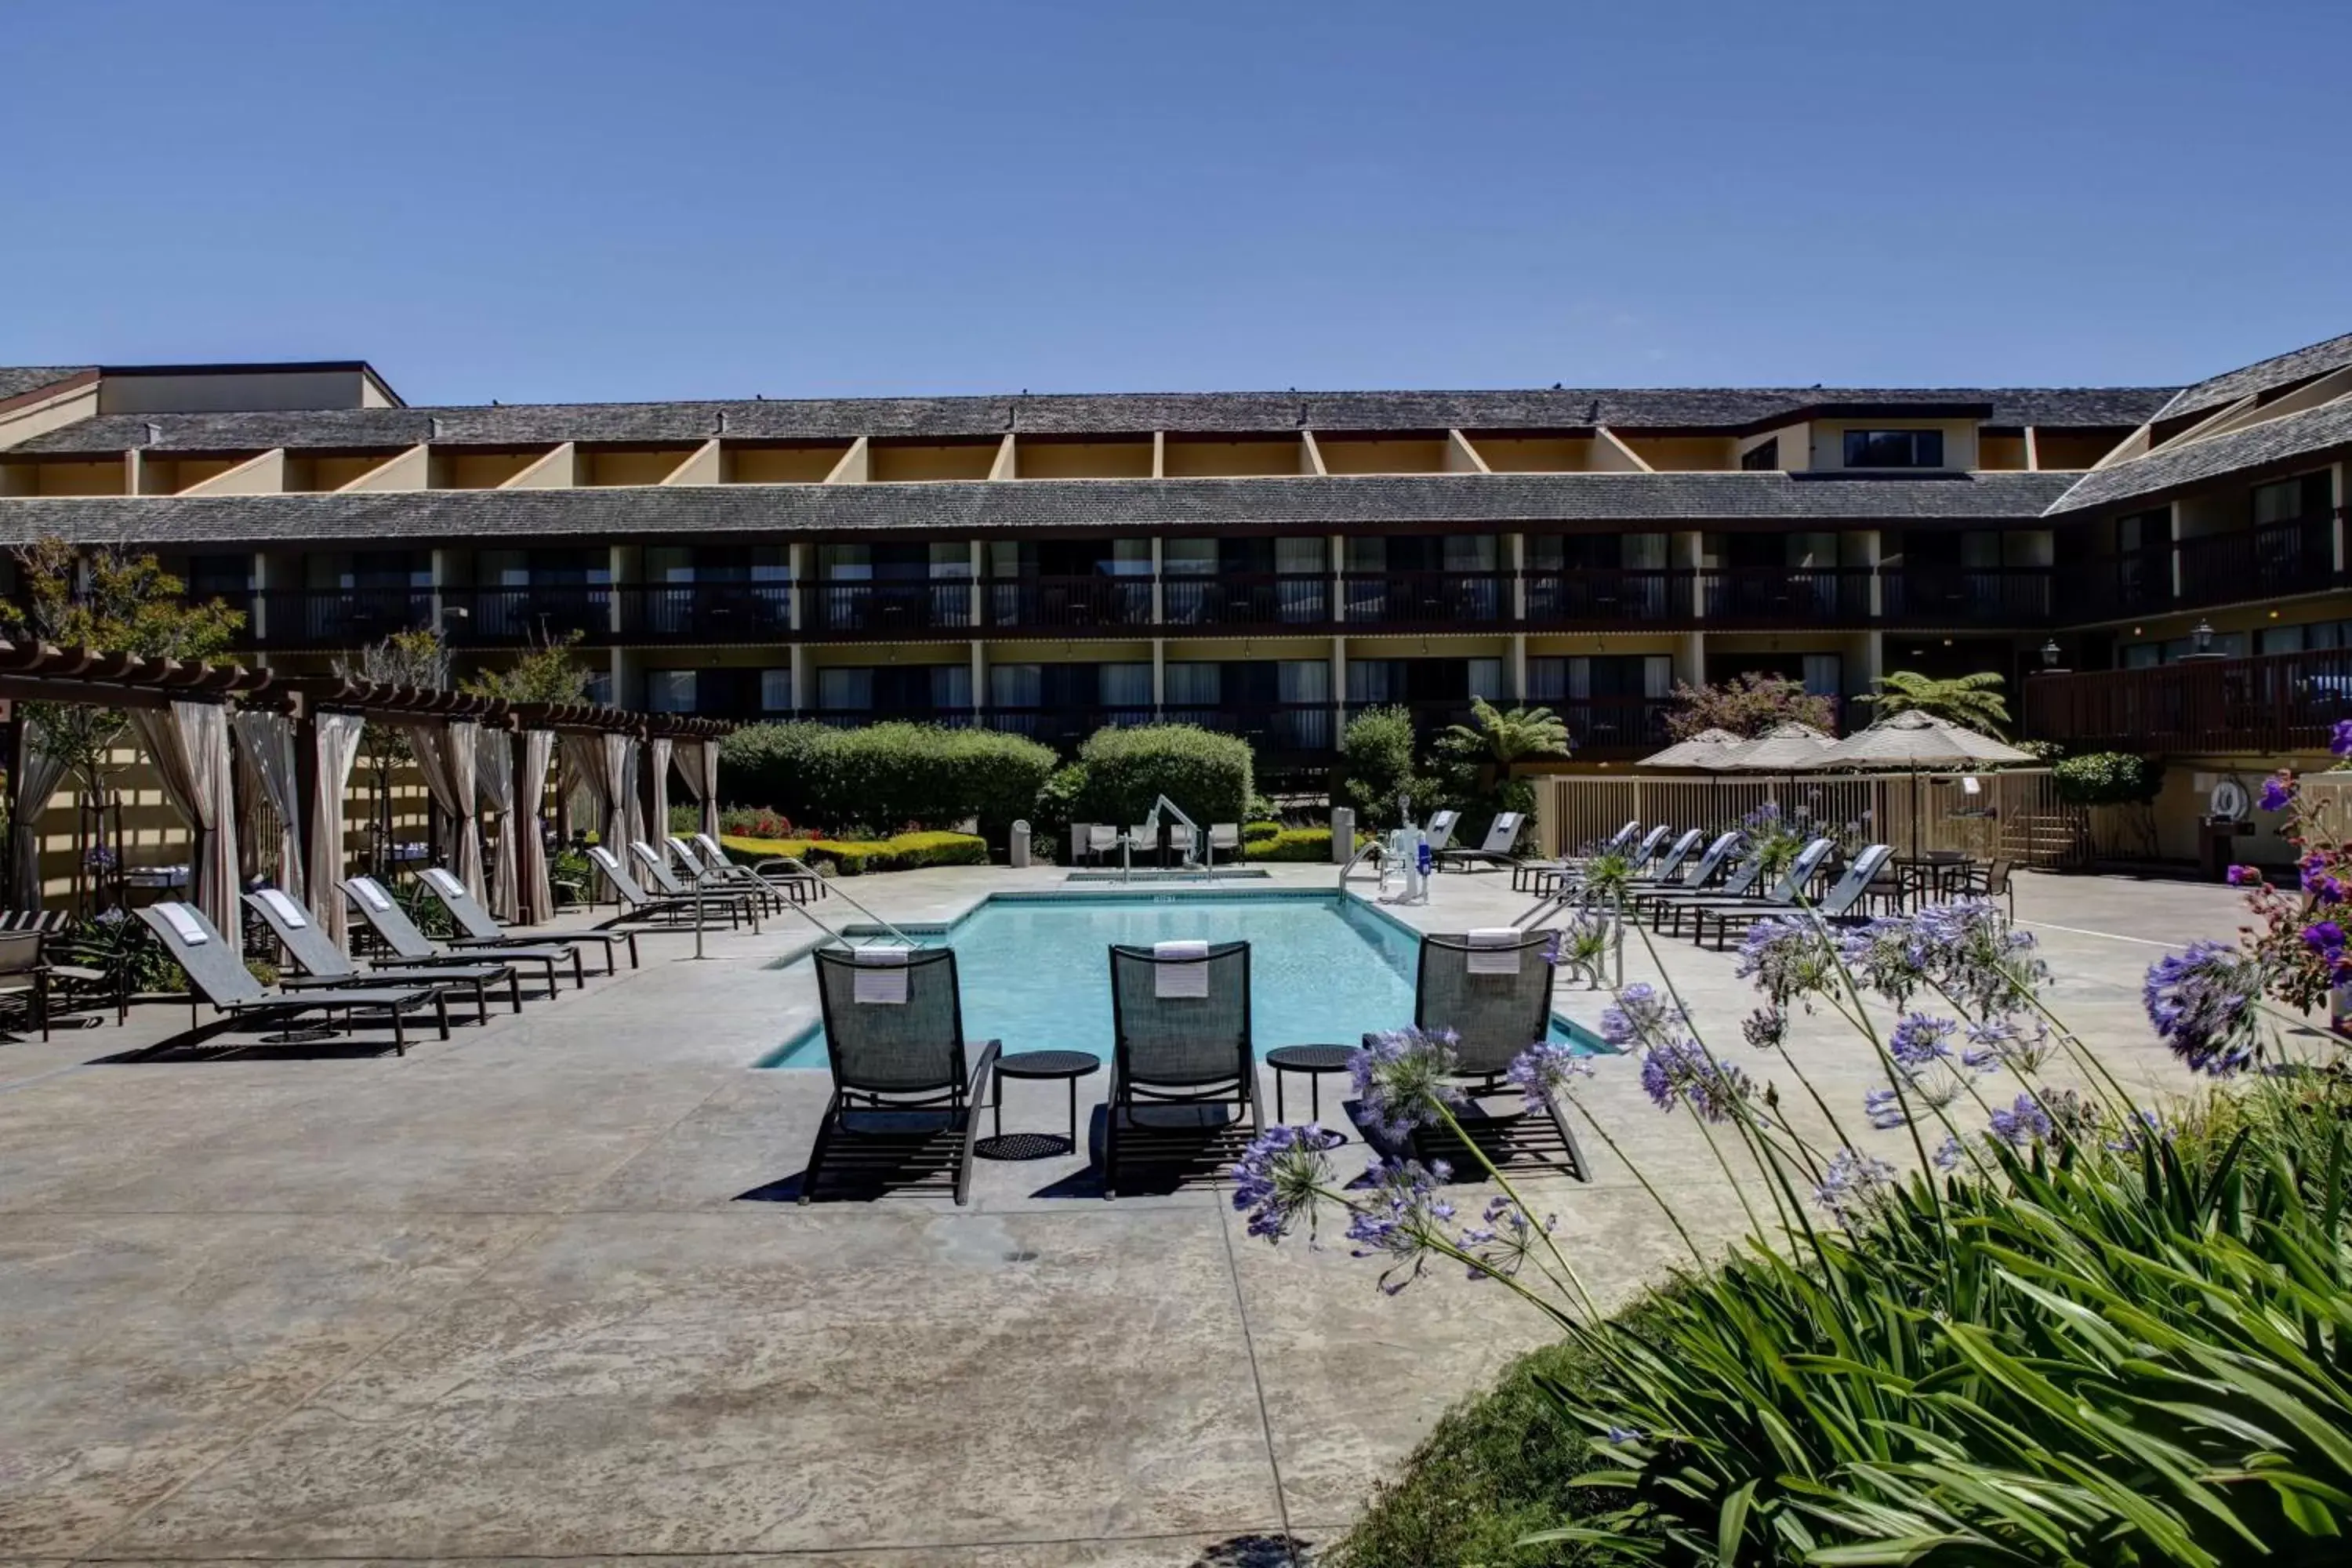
1070, 1065
1314, 1062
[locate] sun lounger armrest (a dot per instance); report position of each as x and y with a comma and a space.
982, 1070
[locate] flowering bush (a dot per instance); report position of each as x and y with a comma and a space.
2064, 1329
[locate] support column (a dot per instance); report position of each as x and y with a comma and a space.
1690, 658
1339, 682
1519, 670
796, 563
804, 699
979, 681
1518, 543
1338, 577
1158, 677
979, 564
616, 568
1873, 553
1159, 599
2337, 482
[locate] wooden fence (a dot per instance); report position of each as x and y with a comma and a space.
2014, 814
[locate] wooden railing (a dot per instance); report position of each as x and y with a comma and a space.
2272, 702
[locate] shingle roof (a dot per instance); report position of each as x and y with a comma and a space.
523, 425
2309, 433
1324, 505
2265, 375
18, 380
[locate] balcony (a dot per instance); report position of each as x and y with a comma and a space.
1969, 596
1247, 599
1067, 604
338, 617
2272, 703
706, 613
1435, 599
1606, 597
1775, 596
1274, 730
507, 617
2272, 561
886, 609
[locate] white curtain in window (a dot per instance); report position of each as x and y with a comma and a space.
38, 782
1825, 674
188, 743
951, 686
1469, 552
494, 785
775, 691
1302, 680
336, 746
1016, 685
535, 895
844, 690
1658, 675
1130, 685
1579, 679
1486, 678
1644, 551
1546, 679
267, 743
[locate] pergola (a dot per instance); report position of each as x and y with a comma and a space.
296, 738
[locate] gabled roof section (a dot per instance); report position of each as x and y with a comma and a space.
2265, 376
17, 381
1449, 502
1717, 410
2274, 442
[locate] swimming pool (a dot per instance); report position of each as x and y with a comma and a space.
1324, 967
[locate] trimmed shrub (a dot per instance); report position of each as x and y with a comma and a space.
1305, 844
855, 858
890, 776
2107, 778
1260, 832
1207, 775
1376, 765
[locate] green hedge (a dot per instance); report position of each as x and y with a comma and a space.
855, 858
1207, 775
885, 776
1308, 844
2107, 778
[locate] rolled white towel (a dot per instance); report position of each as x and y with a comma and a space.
881, 978
447, 880
185, 923
1180, 973
1494, 950
370, 893
285, 908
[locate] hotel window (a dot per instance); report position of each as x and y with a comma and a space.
776, 690
669, 691
1195, 683
844, 690
1763, 457
600, 687
1894, 449
2289, 500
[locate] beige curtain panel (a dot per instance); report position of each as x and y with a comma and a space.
445, 755
697, 765
630, 805
265, 741
188, 743
336, 748
494, 780
38, 783
602, 762
535, 894
657, 768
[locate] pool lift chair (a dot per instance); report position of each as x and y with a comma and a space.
1146, 834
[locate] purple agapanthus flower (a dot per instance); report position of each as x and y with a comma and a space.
2246, 877
2200, 1002
1625, 1434
1976, 954
1641, 1014
1920, 1041
2278, 791
1849, 1182
1949, 1153
1681, 1072
2324, 938
1788, 959
1884, 1106
1766, 1028
1888, 956
1544, 1068
2340, 743
1400, 1217
1281, 1178
2015, 1041
2022, 1123
1400, 1079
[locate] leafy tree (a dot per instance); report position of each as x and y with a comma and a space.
546, 673
112, 602
416, 657
1376, 757
1973, 701
1746, 705
1478, 758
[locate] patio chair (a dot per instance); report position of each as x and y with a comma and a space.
1440, 828
324, 964
1502, 835
1539, 876
22, 973
1995, 884
476, 929
411, 946
1836, 905
741, 903
800, 885
216, 973
721, 876
1224, 835
1569, 876
1781, 896
1698, 876
894, 1042
1180, 1052
1491, 989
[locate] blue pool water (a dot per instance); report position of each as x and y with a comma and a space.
1035, 971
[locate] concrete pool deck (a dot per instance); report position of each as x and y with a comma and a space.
539, 1291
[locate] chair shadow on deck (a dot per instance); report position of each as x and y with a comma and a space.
878, 1154
1163, 1150
205, 1043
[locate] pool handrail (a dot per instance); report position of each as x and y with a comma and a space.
833, 885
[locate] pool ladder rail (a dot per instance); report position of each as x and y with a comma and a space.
833, 885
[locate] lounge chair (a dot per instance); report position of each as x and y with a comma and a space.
1491, 990
476, 929
894, 1040
800, 885
1539, 876
1502, 835
22, 973
1780, 896
324, 964
1180, 1016
1836, 905
216, 973
85, 974
1570, 877
638, 905
742, 903
1698, 876
721, 877
412, 947
1440, 828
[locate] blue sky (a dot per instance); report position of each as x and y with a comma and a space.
591, 200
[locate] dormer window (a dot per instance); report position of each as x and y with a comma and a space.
1894, 449
1764, 457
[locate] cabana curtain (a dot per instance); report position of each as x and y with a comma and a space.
445, 755
631, 804
337, 748
697, 765
535, 894
267, 743
38, 782
494, 777
604, 762
656, 832
188, 743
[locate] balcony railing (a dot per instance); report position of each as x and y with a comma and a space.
1426, 598
885, 609
1247, 599
1067, 603
503, 616
1609, 597
706, 612
2293, 557
1786, 596
2272, 702
1968, 595
339, 617
1271, 729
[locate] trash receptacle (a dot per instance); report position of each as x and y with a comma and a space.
1343, 834
1017, 852
2217, 846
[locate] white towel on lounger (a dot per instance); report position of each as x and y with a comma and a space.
185, 923
286, 909
371, 893
1179, 979
881, 978
1494, 950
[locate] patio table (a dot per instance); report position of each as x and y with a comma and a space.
1312, 1061
1043, 1064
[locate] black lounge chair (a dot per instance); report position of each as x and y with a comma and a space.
724, 876
216, 973
411, 946
1698, 876
639, 906
1781, 897
1502, 836
1492, 991
476, 929
22, 973
1836, 905
802, 886
1540, 875
894, 1040
742, 904
1180, 1054
324, 964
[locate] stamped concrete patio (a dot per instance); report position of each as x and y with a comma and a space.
539, 1291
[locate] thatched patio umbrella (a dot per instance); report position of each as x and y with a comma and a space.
1913, 740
